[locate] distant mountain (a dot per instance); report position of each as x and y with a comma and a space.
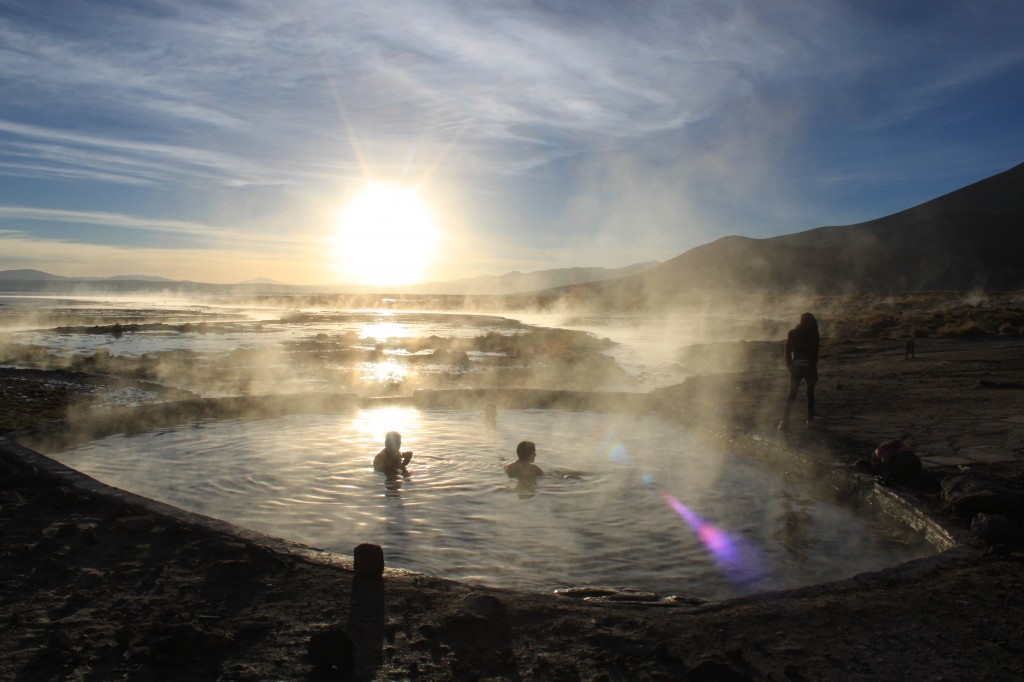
28, 276
263, 280
134, 278
508, 284
518, 282
40, 276
970, 238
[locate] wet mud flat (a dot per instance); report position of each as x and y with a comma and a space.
109, 586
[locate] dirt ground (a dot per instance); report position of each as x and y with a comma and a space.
104, 586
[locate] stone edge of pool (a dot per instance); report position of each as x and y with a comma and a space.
29, 446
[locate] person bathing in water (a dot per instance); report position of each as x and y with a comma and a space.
391, 460
524, 468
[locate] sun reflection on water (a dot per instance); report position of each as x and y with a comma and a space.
388, 371
382, 331
379, 420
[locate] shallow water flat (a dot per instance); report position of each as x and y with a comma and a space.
628, 502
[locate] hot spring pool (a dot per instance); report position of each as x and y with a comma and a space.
626, 501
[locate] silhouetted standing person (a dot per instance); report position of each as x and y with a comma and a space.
802, 347
908, 352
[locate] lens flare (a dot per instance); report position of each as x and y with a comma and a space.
739, 560
616, 449
714, 538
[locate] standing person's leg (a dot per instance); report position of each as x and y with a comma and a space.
811, 381
794, 384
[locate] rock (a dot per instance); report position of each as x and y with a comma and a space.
61, 640
969, 495
331, 648
223, 549
992, 528
135, 524
715, 671
479, 629
369, 561
125, 635
189, 642
67, 531
50, 545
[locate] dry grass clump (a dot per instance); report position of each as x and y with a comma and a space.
964, 328
904, 316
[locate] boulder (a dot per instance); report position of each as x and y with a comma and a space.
968, 495
331, 648
992, 528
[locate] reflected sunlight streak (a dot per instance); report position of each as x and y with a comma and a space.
388, 371
378, 421
382, 331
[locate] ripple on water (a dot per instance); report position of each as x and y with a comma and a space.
626, 502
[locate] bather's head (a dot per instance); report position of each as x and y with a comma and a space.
392, 441
526, 451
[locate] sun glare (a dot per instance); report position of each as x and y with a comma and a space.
386, 236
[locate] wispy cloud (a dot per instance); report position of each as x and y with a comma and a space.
709, 115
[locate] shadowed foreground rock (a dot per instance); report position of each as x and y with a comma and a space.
95, 586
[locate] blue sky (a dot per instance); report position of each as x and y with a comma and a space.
219, 140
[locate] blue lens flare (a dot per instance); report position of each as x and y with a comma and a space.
738, 559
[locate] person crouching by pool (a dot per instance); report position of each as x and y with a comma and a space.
391, 460
524, 469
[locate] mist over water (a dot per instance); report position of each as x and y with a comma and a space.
631, 502
597, 517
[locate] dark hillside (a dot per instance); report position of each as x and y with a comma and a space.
970, 238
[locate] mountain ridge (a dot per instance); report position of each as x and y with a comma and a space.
970, 238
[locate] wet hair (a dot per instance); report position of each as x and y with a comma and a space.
807, 320
525, 449
392, 437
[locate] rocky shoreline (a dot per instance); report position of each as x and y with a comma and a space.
101, 585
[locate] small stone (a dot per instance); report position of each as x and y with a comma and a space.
67, 531
62, 640
992, 528
125, 636
135, 524
369, 561
224, 549
715, 671
331, 648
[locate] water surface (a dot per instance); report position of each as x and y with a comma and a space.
629, 502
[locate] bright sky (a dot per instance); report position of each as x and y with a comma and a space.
223, 140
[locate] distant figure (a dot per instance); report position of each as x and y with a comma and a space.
909, 350
802, 346
391, 460
524, 469
491, 415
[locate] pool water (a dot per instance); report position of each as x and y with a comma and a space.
626, 501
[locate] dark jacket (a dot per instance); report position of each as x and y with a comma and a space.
803, 343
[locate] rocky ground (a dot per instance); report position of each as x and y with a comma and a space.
101, 586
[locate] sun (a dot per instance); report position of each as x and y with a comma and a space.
386, 235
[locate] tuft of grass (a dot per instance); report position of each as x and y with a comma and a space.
965, 328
